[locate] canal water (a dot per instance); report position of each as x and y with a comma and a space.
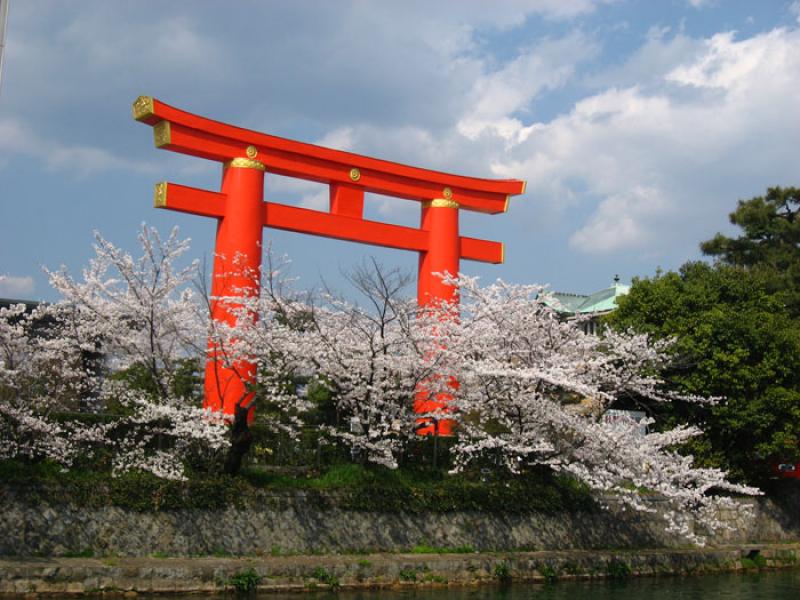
776, 585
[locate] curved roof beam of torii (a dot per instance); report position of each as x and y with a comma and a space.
184, 132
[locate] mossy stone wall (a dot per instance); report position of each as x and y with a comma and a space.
297, 522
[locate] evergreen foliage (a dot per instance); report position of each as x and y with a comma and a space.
737, 331
769, 243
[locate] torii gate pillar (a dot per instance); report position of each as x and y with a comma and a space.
440, 220
237, 273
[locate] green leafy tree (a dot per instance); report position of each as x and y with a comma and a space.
769, 244
735, 340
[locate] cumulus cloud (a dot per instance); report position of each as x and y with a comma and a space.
499, 95
638, 157
656, 161
700, 3
649, 160
16, 287
648, 66
17, 138
503, 13
623, 220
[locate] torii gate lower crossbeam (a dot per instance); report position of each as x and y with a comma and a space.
242, 213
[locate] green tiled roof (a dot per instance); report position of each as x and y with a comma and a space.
602, 301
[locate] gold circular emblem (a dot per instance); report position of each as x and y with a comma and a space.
251, 152
447, 193
355, 174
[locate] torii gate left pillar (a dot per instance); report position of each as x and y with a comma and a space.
242, 214
236, 273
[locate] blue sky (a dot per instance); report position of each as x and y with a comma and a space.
637, 124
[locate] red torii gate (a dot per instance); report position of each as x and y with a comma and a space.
242, 213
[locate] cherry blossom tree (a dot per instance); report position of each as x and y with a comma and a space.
143, 311
146, 317
525, 389
369, 358
124, 315
40, 373
372, 357
532, 392
531, 388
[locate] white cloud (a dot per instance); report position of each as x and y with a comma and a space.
658, 161
496, 96
565, 9
726, 63
406, 68
340, 139
651, 166
110, 43
16, 287
650, 63
624, 220
502, 13
701, 3
18, 139
269, 62
794, 8
646, 153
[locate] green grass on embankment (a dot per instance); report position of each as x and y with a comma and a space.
345, 486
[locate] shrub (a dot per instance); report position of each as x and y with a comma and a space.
502, 572
408, 575
244, 582
617, 569
321, 575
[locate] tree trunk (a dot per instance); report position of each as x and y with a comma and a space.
241, 440
436, 444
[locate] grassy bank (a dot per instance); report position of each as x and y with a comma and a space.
348, 486
58, 576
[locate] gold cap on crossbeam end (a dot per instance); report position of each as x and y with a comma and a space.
245, 163
142, 108
160, 195
162, 135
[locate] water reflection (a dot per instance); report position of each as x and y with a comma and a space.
773, 586
784, 585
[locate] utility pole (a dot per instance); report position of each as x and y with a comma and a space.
3, 21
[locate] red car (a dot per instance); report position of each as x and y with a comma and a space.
786, 470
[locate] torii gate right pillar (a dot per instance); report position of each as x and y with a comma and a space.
440, 220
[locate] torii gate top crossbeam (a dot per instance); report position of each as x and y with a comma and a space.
184, 132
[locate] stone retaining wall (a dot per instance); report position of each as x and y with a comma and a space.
289, 524
129, 576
